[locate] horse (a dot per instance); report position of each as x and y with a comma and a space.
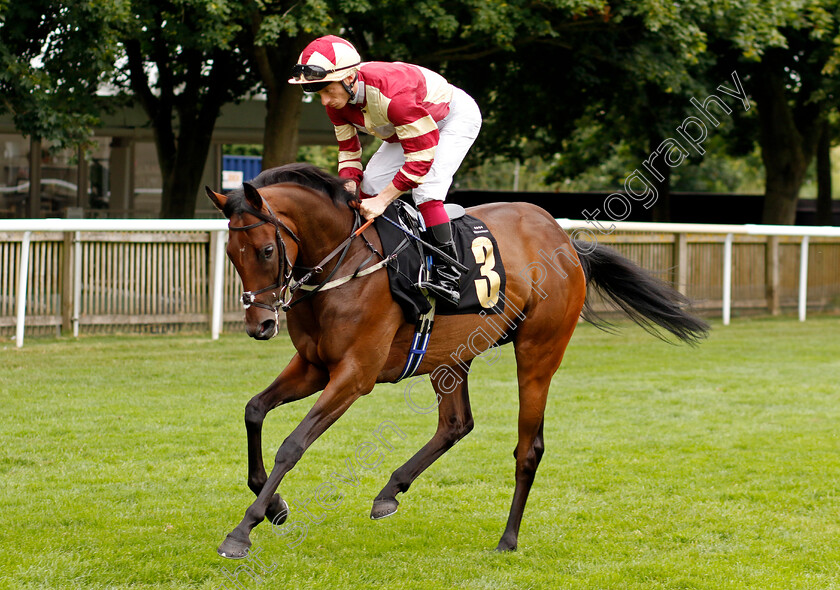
287, 226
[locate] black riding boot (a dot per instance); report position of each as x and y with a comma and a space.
445, 277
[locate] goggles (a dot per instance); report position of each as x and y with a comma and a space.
314, 73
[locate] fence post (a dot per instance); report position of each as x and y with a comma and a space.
20, 298
77, 285
727, 278
682, 263
803, 278
67, 283
772, 275
217, 248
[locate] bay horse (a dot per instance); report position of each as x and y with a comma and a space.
291, 219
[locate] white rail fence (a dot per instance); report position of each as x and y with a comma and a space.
770, 233
125, 272
96, 273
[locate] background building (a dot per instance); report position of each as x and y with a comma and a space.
120, 176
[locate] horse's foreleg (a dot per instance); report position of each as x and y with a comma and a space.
344, 388
298, 380
455, 421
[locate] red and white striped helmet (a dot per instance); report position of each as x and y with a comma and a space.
326, 59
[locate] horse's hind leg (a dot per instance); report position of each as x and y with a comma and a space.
455, 421
539, 349
527, 453
298, 380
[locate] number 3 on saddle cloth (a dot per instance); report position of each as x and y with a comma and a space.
482, 286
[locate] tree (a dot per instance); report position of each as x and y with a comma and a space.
429, 33
49, 69
183, 63
618, 77
275, 35
576, 78
540, 71
627, 67
492, 50
785, 53
283, 101
828, 134
788, 85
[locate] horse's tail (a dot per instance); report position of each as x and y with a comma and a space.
648, 301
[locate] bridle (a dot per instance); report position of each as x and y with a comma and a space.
285, 282
284, 271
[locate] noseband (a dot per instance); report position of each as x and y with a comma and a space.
284, 271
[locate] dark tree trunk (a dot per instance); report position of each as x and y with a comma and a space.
183, 171
283, 106
282, 118
781, 194
181, 158
788, 141
183, 179
824, 213
661, 211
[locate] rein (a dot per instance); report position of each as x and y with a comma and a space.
285, 282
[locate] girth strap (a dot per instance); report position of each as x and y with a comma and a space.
420, 342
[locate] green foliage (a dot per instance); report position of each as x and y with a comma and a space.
326, 157
279, 21
182, 41
242, 149
53, 58
498, 173
619, 84
182, 64
718, 172
584, 85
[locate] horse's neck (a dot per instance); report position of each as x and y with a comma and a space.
321, 226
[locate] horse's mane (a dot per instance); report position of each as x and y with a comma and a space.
302, 174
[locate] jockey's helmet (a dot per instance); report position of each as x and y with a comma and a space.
326, 59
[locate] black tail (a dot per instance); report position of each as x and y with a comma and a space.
648, 301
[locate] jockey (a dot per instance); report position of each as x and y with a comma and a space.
427, 126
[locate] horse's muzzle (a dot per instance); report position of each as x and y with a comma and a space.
265, 330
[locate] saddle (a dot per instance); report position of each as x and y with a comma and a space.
483, 283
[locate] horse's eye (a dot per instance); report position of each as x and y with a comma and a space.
268, 252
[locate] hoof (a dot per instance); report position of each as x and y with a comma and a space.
233, 547
506, 545
278, 510
383, 508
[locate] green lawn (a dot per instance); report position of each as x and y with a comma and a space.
123, 465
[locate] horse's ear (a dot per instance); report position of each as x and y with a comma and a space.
252, 196
218, 200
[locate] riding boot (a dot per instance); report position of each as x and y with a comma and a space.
445, 277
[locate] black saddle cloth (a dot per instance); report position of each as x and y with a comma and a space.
482, 288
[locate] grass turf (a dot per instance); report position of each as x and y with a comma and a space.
123, 465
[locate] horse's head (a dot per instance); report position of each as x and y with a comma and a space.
263, 249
